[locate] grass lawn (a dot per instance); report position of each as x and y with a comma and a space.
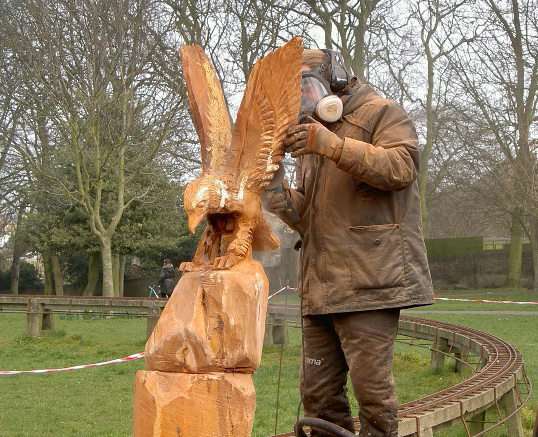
97, 402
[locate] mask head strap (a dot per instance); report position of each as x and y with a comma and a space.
339, 76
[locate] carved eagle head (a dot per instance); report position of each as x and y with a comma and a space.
205, 195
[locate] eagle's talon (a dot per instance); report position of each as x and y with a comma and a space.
187, 267
239, 247
226, 262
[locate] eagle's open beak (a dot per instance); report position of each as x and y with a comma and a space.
194, 220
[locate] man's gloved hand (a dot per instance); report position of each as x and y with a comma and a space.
278, 202
303, 139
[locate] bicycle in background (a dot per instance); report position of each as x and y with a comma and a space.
154, 291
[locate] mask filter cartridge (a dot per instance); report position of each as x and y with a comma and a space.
329, 109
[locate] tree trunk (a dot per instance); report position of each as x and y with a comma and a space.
93, 275
14, 274
106, 260
123, 259
428, 147
423, 202
516, 252
18, 252
534, 246
49, 278
57, 274
116, 273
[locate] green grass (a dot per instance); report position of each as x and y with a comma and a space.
97, 402
92, 402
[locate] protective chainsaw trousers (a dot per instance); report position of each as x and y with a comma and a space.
362, 344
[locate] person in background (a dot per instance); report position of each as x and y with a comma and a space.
167, 278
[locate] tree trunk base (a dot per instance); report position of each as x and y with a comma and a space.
214, 321
201, 355
189, 405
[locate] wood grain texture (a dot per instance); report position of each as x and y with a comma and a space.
209, 338
189, 405
214, 322
269, 107
236, 172
208, 108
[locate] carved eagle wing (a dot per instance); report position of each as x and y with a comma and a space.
209, 110
270, 105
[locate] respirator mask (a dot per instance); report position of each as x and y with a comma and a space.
318, 86
316, 99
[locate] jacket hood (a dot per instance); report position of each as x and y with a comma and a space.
360, 94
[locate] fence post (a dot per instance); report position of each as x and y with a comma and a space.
426, 432
438, 356
509, 404
48, 320
268, 337
280, 331
462, 354
34, 318
476, 423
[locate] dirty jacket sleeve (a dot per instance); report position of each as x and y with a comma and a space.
390, 162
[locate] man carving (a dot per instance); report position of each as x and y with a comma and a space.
356, 207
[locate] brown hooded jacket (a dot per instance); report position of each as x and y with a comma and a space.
362, 243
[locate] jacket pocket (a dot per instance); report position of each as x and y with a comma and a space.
376, 257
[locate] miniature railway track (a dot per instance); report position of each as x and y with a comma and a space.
500, 373
503, 361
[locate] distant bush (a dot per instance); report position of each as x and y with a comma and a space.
450, 247
28, 279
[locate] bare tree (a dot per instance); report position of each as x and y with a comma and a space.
98, 64
436, 20
236, 33
498, 75
256, 27
352, 27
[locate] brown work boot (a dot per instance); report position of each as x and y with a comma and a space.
367, 430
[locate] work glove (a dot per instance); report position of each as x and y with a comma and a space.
313, 137
279, 202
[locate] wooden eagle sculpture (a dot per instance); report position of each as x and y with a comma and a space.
238, 162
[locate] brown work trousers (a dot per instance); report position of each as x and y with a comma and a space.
361, 343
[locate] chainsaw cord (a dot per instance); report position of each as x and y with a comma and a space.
303, 360
277, 406
278, 385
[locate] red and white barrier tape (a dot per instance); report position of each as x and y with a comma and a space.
126, 359
446, 299
450, 299
140, 355
287, 287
